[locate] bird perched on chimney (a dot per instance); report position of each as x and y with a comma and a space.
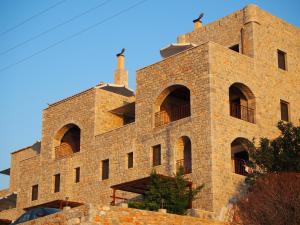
199, 18
121, 53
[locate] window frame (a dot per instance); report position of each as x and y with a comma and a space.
156, 156
35, 192
105, 169
77, 174
287, 104
130, 161
57, 181
282, 55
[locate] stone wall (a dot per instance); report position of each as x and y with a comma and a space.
16, 159
105, 102
269, 85
93, 214
40, 170
191, 70
88, 110
225, 31
207, 70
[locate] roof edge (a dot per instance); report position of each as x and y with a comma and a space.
69, 98
182, 52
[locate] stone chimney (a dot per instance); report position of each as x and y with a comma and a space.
181, 39
198, 22
250, 30
121, 74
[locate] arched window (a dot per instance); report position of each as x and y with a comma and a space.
172, 104
67, 141
183, 154
242, 102
239, 155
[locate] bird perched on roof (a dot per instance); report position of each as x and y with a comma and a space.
121, 53
199, 18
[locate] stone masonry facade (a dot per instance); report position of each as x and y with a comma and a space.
232, 95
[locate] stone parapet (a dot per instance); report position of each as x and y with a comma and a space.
94, 214
11, 214
4, 192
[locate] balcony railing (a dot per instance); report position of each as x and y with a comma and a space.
242, 112
187, 168
63, 150
240, 166
176, 113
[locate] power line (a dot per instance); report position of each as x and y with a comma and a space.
74, 35
32, 17
55, 27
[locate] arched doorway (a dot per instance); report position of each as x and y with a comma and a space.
239, 155
242, 102
183, 154
67, 141
172, 104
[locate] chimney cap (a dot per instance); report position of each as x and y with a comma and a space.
199, 18
121, 53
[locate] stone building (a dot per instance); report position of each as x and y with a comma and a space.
214, 90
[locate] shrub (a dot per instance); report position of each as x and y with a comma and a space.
171, 194
279, 155
273, 199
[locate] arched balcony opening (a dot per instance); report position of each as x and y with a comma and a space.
183, 154
242, 102
239, 155
67, 141
172, 104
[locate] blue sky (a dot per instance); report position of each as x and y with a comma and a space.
85, 60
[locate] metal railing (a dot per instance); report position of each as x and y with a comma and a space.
242, 112
175, 113
63, 150
240, 166
187, 168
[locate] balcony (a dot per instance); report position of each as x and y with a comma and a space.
63, 150
187, 168
242, 112
239, 166
175, 113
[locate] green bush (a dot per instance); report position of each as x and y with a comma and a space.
281, 154
136, 205
171, 194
